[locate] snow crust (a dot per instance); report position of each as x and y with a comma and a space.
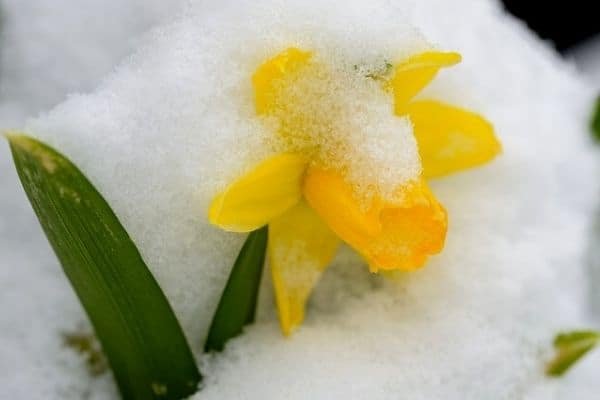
175, 123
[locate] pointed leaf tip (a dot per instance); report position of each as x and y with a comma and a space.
237, 306
15, 137
570, 348
132, 318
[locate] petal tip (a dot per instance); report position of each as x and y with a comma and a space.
214, 210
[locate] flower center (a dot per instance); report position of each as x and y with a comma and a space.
339, 117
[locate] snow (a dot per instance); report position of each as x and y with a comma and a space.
175, 122
47, 50
330, 112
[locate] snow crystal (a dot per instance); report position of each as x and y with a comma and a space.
176, 123
343, 120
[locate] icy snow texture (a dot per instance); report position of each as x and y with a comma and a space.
173, 127
341, 118
476, 323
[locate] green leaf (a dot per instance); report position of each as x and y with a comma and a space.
595, 126
135, 324
570, 348
237, 306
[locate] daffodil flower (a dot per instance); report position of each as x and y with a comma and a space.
311, 208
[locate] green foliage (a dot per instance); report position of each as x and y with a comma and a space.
237, 306
595, 125
570, 347
138, 331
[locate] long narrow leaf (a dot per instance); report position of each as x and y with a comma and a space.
237, 306
135, 324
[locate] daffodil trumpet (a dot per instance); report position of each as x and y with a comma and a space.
311, 207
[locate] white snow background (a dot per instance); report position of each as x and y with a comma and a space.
476, 323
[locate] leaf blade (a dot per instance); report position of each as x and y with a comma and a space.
238, 303
595, 123
570, 348
132, 318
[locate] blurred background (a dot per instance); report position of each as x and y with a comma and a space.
573, 27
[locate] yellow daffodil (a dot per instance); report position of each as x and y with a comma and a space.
311, 207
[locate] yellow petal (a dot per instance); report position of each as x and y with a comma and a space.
412, 75
300, 248
333, 199
263, 79
264, 193
451, 139
389, 236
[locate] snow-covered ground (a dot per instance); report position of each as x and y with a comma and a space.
476, 323
49, 49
